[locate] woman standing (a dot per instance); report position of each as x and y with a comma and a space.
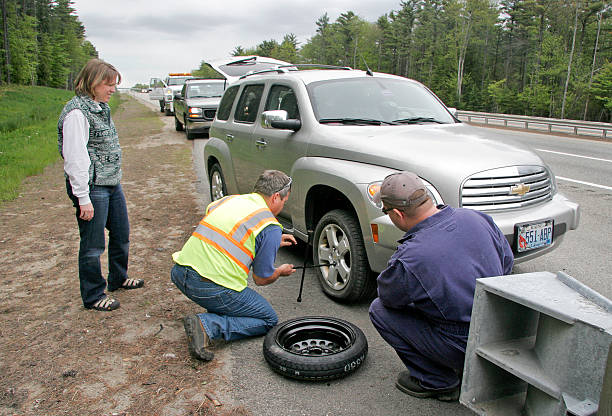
89, 144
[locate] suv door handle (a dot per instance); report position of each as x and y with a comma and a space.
261, 143
229, 137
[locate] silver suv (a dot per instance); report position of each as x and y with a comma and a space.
338, 132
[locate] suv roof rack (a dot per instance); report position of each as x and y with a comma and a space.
281, 69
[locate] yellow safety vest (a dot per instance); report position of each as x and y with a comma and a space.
222, 247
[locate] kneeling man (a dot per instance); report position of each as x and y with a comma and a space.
425, 294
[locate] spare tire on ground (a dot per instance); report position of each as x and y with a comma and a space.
315, 348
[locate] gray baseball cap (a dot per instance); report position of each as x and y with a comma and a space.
398, 190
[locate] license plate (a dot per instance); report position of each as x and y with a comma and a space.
534, 235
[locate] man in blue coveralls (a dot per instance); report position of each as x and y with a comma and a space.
426, 292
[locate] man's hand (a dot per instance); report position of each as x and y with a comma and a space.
282, 270
86, 212
285, 269
287, 240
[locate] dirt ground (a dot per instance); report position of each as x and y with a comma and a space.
57, 358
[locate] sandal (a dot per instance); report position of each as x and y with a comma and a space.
129, 284
105, 304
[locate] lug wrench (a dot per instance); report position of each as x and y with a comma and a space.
333, 263
304, 267
299, 298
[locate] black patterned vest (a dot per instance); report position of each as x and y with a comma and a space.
103, 144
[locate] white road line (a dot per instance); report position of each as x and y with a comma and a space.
571, 154
609, 188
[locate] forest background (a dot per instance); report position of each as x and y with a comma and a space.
549, 58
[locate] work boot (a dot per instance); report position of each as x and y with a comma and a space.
412, 386
197, 337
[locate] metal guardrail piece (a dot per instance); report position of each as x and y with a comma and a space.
550, 125
539, 345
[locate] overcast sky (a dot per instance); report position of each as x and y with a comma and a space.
145, 39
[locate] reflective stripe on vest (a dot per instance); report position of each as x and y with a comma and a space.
232, 243
216, 204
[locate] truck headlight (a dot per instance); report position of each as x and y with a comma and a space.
433, 193
195, 112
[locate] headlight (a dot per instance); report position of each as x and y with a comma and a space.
168, 91
433, 193
195, 110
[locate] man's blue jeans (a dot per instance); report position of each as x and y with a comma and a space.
230, 315
110, 212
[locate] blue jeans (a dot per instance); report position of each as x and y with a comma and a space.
230, 315
110, 212
434, 353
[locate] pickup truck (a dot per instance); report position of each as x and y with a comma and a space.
195, 106
338, 132
164, 90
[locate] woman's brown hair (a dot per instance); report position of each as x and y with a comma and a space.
93, 73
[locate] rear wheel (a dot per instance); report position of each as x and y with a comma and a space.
217, 183
177, 124
338, 242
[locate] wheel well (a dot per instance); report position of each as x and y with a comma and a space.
210, 162
320, 200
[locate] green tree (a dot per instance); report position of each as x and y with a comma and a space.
602, 88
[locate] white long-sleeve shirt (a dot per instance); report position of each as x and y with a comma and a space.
76, 157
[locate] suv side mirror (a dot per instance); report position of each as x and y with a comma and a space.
277, 119
453, 111
178, 95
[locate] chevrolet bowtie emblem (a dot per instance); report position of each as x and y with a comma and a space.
519, 189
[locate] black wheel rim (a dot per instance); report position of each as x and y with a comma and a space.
314, 338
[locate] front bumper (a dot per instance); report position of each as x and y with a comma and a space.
566, 216
198, 125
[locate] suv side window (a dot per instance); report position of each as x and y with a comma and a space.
283, 98
246, 110
225, 106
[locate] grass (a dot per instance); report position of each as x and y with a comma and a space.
28, 133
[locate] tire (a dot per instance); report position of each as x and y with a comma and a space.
217, 183
177, 124
188, 132
161, 107
168, 112
315, 348
338, 239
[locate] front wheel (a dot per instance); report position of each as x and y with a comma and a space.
217, 183
188, 131
315, 348
177, 124
339, 244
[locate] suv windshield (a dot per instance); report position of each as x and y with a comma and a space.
205, 90
375, 101
177, 81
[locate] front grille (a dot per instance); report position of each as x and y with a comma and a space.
507, 188
209, 114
